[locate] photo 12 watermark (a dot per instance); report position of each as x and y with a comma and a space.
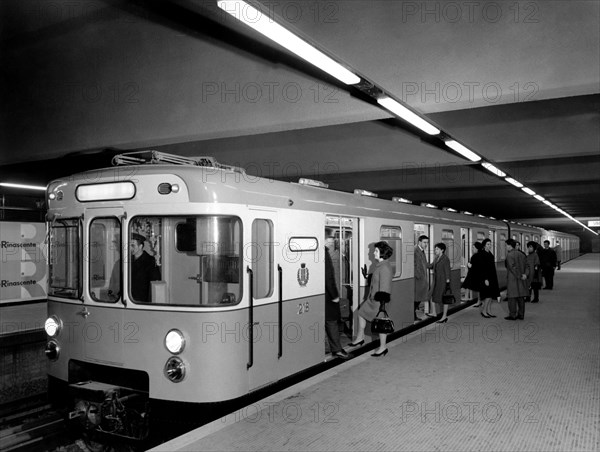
470, 12
468, 92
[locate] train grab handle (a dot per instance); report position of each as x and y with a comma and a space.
250, 318
280, 313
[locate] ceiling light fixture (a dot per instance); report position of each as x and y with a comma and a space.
462, 150
400, 110
529, 191
492, 169
26, 187
511, 181
266, 26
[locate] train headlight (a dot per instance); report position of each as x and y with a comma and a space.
53, 325
174, 341
175, 369
52, 350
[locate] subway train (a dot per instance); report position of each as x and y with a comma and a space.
230, 298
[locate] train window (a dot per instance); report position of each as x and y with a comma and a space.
64, 262
481, 236
187, 261
105, 259
502, 246
262, 257
393, 236
300, 244
452, 252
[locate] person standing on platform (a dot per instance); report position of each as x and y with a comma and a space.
488, 283
558, 251
534, 278
516, 281
379, 293
332, 304
421, 276
548, 262
473, 278
441, 278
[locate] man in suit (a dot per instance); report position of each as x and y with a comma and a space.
421, 275
516, 287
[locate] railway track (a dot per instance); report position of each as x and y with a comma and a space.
35, 429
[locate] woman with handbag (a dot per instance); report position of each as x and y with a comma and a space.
441, 292
488, 284
379, 294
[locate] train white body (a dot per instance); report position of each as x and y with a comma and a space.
216, 235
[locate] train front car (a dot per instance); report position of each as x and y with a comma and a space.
152, 272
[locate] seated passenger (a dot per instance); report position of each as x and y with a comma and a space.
143, 269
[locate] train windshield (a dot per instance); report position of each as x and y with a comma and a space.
64, 258
185, 260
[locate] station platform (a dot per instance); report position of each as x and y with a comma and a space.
470, 384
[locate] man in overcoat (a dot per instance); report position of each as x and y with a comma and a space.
332, 303
516, 287
421, 275
548, 262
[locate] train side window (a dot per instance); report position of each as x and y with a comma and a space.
302, 244
64, 264
502, 246
261, 255
481, 236
105, 259
393, 236
448, 240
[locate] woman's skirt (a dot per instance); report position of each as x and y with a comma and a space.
369, 309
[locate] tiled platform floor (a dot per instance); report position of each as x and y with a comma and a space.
472, 384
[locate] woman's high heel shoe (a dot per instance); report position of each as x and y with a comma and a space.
383, 353
357, 344
442, 321
484, 315
491, 316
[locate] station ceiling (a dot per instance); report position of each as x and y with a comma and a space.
517, 82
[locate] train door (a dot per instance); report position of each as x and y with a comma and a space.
341, 238
263, 339
102, 327
425, 229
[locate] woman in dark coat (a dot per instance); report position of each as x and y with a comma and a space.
441, 277
488, 282
379, 292
472, 279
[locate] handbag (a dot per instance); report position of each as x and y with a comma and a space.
447, 297
382, 325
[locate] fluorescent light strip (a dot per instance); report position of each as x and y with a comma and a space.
539, 198
403, 112
511, 181
492, 169
462, 150
26, 187
268, 27
529, 191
